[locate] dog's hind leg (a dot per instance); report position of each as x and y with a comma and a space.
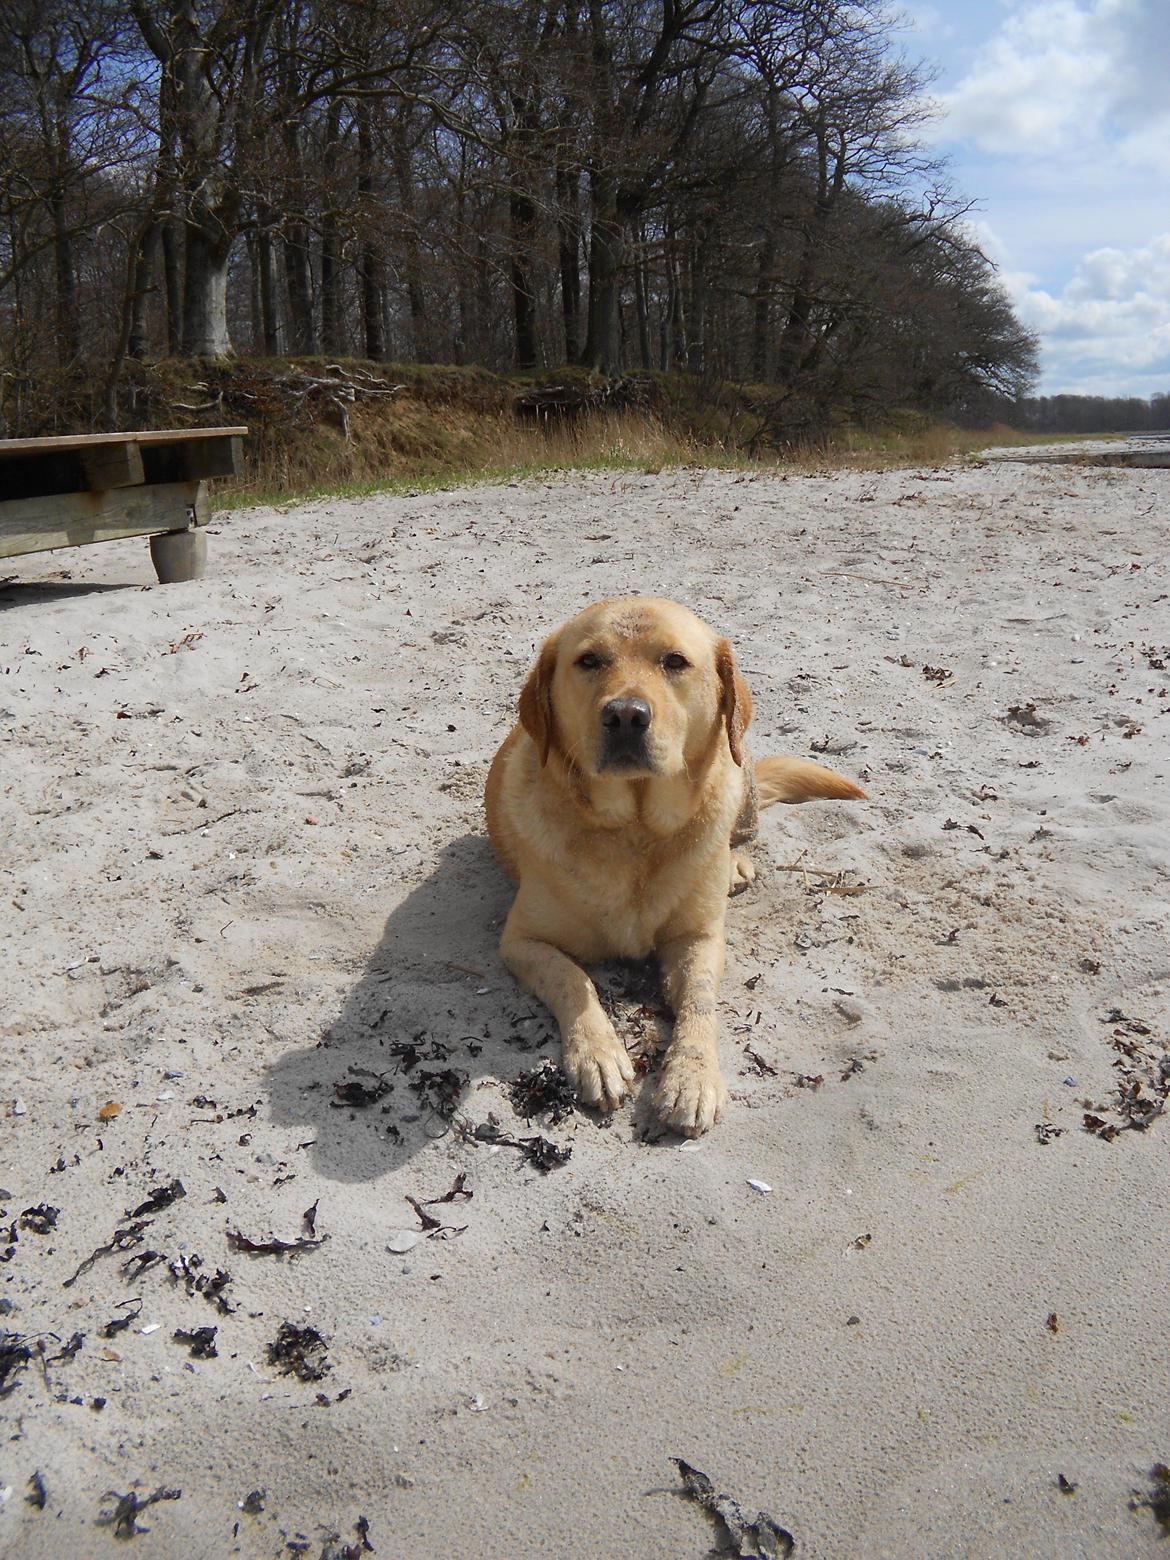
743, 872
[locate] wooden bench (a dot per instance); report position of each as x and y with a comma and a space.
98, 487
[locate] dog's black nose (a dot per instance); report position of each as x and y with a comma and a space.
626, 716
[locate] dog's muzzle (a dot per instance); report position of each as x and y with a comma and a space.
624, 726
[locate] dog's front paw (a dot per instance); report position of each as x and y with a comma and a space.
598, 1067
691, 1094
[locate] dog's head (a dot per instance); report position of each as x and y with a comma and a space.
635, 687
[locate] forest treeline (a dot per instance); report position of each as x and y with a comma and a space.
1084, 413
732, 189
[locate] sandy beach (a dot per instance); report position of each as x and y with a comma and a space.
248, 926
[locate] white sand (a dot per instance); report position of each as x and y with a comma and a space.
283, 841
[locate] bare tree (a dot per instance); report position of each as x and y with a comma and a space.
718, 186
213, 68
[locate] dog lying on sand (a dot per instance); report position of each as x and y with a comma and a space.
620, 804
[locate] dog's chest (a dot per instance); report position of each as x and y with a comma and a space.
627, 890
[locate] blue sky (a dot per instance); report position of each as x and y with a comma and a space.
1055, 116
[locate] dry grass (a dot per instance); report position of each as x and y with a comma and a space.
423, 447
417, 447
447, 426
909, 440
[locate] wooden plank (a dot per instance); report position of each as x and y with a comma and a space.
175, 462
36, 468
220, 457
177, 435
201, 505
73, 519
113, 465
82, 441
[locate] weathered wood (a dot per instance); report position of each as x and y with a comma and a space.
112, 465
73, 519
98, 487
222, 457
80, 441
36, 468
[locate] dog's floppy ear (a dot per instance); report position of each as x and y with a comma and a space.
735, 701
536, 712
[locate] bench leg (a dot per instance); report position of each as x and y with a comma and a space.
178, 556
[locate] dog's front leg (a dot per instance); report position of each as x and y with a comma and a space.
691, 1093
596, 1061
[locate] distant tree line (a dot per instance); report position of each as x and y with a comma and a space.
1081, 413
727, 187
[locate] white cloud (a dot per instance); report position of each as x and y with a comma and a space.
1108, 330
1057, 116
1061, 78
1038, 81
1118, 275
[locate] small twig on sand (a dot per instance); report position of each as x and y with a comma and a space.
206, 824
870, 579
834, 886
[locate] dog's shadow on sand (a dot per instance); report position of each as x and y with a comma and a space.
434, 1015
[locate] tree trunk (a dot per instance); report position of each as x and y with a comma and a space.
255, 307
332, 319
796, 341
697, 342
68, 311
370, 265
205, 332
332, 326
673, 347
483, 299
141, 269
463, 327
762, 312
298, 271
207, 113
373, 323
172, 246
607, 249
521, 222
569, 246
298, 267
172, 206
142, 285
640, 304
266, 267
404, 177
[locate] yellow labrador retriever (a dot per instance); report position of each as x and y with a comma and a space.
618, 805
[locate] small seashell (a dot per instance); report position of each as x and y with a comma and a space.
403, 1240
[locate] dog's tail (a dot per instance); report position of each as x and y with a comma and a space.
784, 779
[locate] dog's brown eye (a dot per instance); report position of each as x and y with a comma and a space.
589, 662
675, 662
